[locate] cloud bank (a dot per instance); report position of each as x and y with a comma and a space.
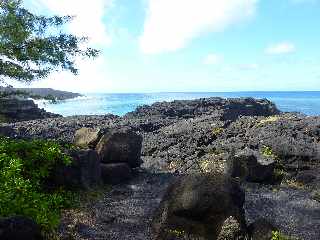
88, 17
172, 24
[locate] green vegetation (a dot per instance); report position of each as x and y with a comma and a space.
276, 235
176, 232
31, 46
217, 131
24, 167
267, 151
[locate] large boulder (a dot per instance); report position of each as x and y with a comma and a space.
83, 173
114, 173
250, 166
19, 228
86, 137
6, 131
198, 207
307, 177
261, 229
120, 146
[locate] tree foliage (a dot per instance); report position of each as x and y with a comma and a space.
33, 46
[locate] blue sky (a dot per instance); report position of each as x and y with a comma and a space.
192, 45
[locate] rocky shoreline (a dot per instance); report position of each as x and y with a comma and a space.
276, 157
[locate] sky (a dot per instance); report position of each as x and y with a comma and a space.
191, 45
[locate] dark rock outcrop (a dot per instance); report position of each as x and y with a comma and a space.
250, 166
16, 110
19, 228
228, 109
292, 139
261, 229
83, 173
120, 146
198, 206
114, 173
6, 131
307, 177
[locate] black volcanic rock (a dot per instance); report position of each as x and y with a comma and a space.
177, 133
250, 166
228, 109
196, 206
16, 110
291, 139
19, 228
120, 146
83, 173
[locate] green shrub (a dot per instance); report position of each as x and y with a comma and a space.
267, 151
276, 235
24, 167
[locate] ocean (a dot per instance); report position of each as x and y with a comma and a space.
120, 104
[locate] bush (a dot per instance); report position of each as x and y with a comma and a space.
276, 235
24, 167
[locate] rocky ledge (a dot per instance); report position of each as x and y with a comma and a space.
274, 156
16, 110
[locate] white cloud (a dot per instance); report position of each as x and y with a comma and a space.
281, 48
93, 76
172, 24
88, 22
212, 59
88, 17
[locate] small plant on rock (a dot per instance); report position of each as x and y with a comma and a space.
217, 131
266, 151
276, 235
269, 119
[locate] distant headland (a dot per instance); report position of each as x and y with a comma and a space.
43, 92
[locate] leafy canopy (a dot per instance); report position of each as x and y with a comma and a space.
33, 46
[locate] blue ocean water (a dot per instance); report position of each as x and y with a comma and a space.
119, 104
